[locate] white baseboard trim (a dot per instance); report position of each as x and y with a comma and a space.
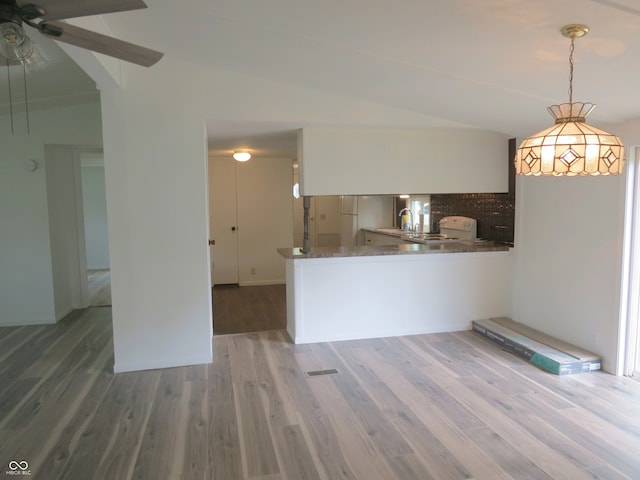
21, 323
64, 313
120, 367
262, 282
332, 337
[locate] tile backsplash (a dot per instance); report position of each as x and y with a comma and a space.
495, 212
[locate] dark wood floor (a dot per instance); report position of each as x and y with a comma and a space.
425, 407
248, 309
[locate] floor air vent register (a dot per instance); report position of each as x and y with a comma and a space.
318, 373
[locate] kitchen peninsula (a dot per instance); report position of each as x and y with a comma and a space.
344, 293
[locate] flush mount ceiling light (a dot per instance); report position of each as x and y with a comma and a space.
571, 147
241, 156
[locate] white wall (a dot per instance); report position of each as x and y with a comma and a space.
26, 281
94, 203
155, 163
568, 250
335, 161
629, 132
567, 272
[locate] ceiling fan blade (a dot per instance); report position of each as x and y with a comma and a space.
104, 44
60, 9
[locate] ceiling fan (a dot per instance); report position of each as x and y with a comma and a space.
44, 16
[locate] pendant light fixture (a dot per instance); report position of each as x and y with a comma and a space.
570, 147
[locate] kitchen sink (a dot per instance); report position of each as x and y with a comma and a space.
390, 231
417, 237
427, 236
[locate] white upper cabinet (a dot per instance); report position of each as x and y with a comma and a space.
349, 161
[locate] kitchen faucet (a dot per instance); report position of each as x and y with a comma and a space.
406, 225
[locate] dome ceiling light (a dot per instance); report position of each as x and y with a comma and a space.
241, 156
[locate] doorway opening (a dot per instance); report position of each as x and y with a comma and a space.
94, 209
69, 240
250, 217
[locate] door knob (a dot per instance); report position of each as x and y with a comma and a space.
212, 242
233, 229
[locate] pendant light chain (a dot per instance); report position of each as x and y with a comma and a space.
26, 97
571, 48
10, 96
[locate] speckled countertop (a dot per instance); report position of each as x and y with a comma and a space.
378, 250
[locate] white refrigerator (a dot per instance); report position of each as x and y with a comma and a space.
363, 211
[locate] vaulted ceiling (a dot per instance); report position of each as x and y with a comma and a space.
489, 64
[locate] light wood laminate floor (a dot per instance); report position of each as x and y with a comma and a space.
442, 406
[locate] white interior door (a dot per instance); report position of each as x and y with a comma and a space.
223, 220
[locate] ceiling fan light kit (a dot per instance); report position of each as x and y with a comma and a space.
14, 44
43, 15
570, 147
16, 48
